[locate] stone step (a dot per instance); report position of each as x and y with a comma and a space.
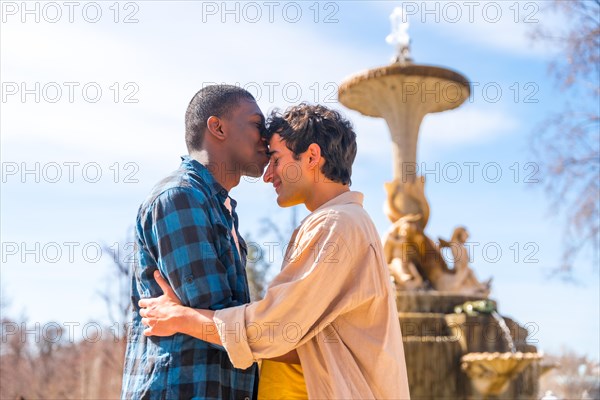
430, 301
423, 324
434, 365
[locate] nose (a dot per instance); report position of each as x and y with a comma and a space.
268, 176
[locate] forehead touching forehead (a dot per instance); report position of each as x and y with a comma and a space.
276, 143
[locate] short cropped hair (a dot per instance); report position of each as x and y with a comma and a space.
301, 125
213, 100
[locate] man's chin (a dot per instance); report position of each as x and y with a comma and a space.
284, 203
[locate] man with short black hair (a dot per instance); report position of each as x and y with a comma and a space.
187, 229
332, 302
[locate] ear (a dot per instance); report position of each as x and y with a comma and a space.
214, 128
314, 156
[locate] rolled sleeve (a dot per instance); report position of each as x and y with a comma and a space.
231, 325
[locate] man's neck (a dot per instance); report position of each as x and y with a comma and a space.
225, 174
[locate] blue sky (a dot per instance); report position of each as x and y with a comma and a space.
175, 48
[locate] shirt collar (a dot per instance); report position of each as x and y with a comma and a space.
203, 172
344, 198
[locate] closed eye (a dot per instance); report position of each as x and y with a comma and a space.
261, 128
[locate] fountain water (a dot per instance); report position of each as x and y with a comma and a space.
505, 331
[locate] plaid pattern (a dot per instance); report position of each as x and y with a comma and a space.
184, 229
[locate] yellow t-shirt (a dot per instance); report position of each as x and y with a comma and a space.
279, 381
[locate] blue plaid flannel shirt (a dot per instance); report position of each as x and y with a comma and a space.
184, 229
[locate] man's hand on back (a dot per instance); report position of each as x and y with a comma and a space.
161, 315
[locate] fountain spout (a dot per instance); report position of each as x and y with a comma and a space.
399, 37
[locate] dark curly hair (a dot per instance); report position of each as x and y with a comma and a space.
301, 125
217, 100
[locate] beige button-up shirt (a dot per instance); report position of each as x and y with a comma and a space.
333, 302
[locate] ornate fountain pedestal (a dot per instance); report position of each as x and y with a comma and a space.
403, 93
475, 354
461, 356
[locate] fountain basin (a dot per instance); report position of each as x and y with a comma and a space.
409, 82
491, 373
403, 94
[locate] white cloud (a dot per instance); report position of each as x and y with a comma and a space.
469, 125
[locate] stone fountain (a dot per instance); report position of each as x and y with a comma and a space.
456, 344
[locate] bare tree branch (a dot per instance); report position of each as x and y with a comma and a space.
566, 145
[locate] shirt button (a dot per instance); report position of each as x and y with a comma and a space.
189, 279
